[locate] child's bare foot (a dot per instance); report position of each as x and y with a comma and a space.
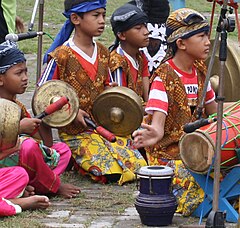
68, 191
32, 202
29, 191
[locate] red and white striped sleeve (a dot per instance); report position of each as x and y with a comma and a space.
158, 100
210, 95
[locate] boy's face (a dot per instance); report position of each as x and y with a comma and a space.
197, 46
136, 36
14, 80
92, 23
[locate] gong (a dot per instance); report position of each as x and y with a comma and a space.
50, 92
231, 71
9, 124
119, 110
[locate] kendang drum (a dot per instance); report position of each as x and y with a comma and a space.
197, 148
155, 203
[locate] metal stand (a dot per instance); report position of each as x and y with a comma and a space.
40, 29
222, 28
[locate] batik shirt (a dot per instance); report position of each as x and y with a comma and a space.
86, 75
173, 92
128, 72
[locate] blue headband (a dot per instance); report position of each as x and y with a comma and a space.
10, 55
68, 27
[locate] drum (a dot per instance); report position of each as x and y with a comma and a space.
197, 148
155, 203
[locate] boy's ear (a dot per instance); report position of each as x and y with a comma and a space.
180, 44
121, 36
75, 19
1, 81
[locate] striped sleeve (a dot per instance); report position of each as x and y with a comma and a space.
210, 95
49, 73
158, 100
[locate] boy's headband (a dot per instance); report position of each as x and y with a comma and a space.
126, 17
184, 23
10, 55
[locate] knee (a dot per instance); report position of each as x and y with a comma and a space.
29, 148
22, 175
63, 149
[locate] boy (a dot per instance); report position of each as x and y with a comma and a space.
83, 63
36, 136
128, 65
157, 12
174, 95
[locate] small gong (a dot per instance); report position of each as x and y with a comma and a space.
119, 110
50, 92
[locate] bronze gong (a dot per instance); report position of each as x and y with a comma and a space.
50, 92
9, 124
119, 110
231, 71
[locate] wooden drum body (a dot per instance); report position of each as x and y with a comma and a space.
197, 148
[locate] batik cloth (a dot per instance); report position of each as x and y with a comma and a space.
91, 152
127, 72
99, 157
10, 55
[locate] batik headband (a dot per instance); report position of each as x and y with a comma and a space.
10, 55
68, 27
184, 23
126, 17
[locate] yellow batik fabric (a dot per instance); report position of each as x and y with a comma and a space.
98, 156
187, 191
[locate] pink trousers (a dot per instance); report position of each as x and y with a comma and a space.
13, 181
41, 177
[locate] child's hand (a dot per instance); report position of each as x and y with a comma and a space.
80, 118
29, 125
113, 84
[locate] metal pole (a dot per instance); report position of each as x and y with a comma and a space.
40, 29
30, 27
220, 100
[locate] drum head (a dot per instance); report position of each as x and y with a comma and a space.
194, 149
119, 110
9, 124
50, 92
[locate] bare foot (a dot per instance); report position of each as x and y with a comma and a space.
68, 191
29, 191
32, 202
